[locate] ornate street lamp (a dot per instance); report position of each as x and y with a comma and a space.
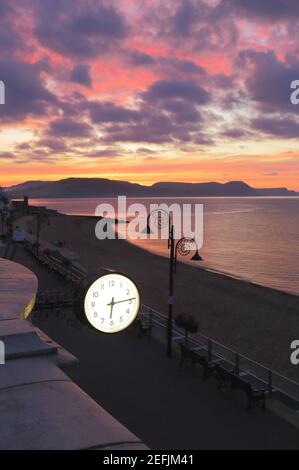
181, 247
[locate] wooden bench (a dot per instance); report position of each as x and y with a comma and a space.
256, 396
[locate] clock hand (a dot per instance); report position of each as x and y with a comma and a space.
111, 304
125, 300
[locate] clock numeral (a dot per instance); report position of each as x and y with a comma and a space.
102, 286
128, 291
111, 283
102, 320
95, 294
128, 310
121, 319
93, 304
95, 314
112, 323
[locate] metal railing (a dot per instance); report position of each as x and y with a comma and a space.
68, 269
275, 383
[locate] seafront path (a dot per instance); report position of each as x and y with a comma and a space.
168, 407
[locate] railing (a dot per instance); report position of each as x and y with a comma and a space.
275, 382
70, 270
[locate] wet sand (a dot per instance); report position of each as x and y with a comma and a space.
257, 321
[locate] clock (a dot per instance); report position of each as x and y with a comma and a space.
111, 303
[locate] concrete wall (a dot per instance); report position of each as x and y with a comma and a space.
40, 407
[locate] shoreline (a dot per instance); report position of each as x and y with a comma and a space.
257, 321
256, 266
215, 271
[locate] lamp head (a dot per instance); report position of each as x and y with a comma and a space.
197, 256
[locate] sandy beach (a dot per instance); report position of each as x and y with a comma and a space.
256, 321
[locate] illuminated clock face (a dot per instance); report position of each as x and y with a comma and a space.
112, 303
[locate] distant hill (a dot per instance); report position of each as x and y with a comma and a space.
276, 192
99, 187
75, 187
234, 188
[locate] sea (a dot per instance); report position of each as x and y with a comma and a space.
252, 238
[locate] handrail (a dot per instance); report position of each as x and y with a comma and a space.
211, 343
71, 272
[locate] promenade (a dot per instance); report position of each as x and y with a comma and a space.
41, 408
166, 406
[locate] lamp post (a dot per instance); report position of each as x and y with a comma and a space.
2, 224
175, 247
4, 211
37, 215
4, 214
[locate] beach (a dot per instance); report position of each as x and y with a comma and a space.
256, 321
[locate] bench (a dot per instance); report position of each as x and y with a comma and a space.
256, 396
145, 328
209, 367
185, 354
224, 376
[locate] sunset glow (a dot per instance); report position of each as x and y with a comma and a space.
180, 90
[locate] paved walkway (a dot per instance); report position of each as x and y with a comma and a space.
167, 407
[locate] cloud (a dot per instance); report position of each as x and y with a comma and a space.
182, 112
7, 155
188, 16
177, 89
100, 21
174, 73
24, 146
81, 74
25, 92
53, 145
167, 112
235, 133
9, 36
268, 10
106, 112
141, 59
268, 81
70, 128
87, 29
184, 18
105, 153
285, 128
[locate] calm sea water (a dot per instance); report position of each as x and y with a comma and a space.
256, 239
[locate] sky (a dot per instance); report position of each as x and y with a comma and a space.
149, 90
